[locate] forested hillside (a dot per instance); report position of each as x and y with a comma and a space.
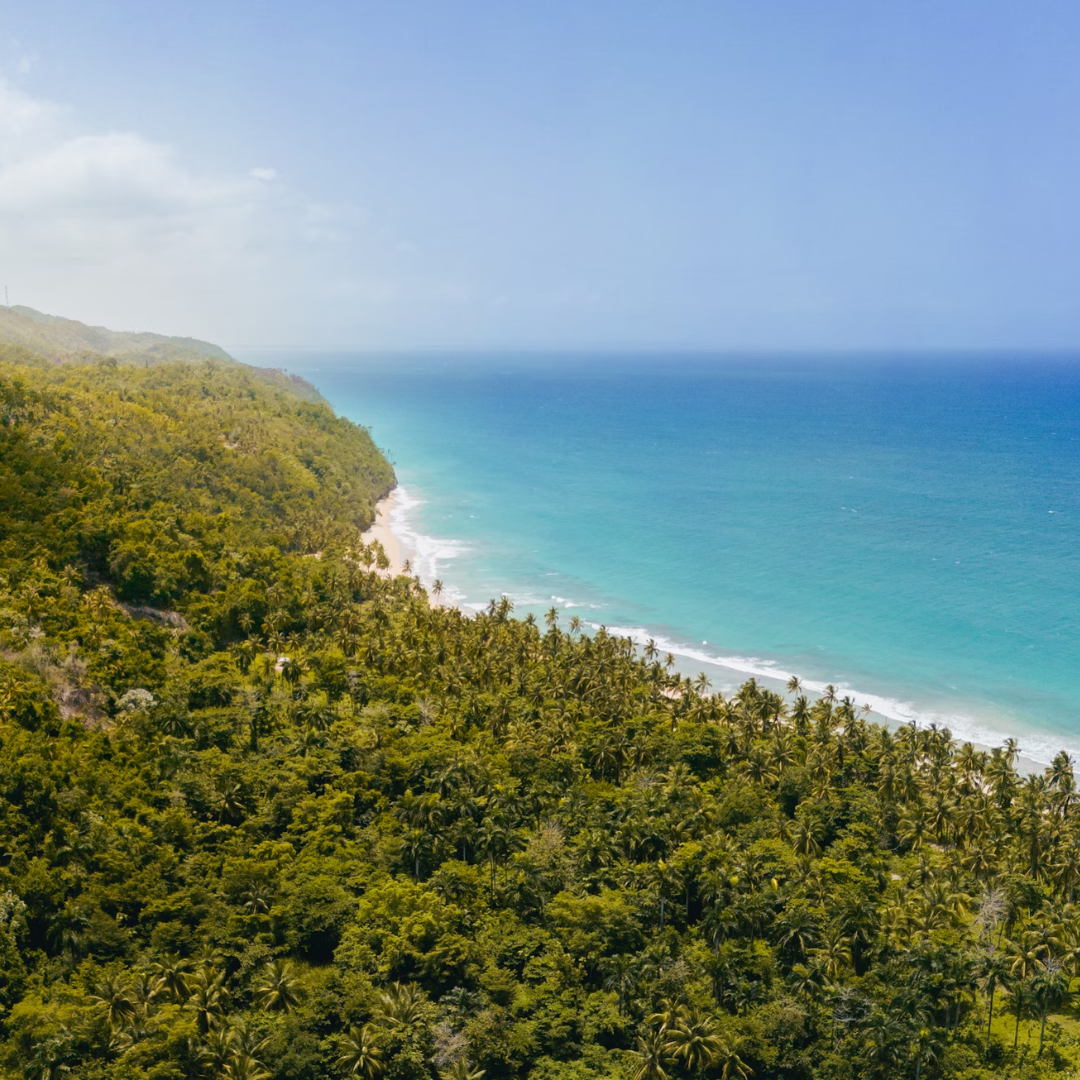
268, 813
29, 336
59, 339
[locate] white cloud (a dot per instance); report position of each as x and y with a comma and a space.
24, 120
118, 229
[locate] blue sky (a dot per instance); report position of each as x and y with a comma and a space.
547, 175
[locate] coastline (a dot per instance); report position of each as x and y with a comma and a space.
382, 530
400, 540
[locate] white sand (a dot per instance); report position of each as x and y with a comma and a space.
382, 532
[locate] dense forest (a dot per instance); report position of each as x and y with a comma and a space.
269, 812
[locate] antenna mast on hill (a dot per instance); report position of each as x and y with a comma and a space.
6, 303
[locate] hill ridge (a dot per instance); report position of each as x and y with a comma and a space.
28, 336
59, 338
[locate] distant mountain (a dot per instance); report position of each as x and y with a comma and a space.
62, 339
32, 336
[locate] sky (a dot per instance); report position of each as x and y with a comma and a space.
547, 174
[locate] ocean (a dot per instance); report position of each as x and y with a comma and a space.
905, 528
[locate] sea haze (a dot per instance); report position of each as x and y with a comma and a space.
906, 528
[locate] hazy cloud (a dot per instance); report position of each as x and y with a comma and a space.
118, 228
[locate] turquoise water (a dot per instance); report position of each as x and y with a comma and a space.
906, 529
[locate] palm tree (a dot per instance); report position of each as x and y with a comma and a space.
619, 976
995, 971
403, 1006
694, 1042
207, 997
1021, 1003
859, 921
230, 800
1012, 751
280, 989
113, 993
51, 1057
1049, 989
293, 669
799, 928
669, 1014
834, 954
651, 1055
171, 970
255, 902
462, 1070
1065, 871
362, 1054
217, 1050
924, 1048
808, 980
495, 840
731, 1064
245, 1067
803, 840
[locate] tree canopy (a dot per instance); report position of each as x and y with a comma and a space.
266, 812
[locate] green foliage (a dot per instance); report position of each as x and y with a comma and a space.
266, 813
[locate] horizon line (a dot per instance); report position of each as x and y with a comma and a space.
1070, 351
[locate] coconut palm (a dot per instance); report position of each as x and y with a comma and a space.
651, 1056
1049, 990
217, 1049
362, 1054
255, 901
731, 1064
995, 972
208, 997
669, 1014
694, 1042
834, 953
280, 989
114, 994
49, 1060
401, 1007
462, 1070
229, 799
172, 970
808, 980
798, 930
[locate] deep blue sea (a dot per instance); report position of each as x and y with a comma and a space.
907, 528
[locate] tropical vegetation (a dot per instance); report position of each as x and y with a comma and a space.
267, 811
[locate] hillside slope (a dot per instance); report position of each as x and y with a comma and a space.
268, 814
28, 336
61, 339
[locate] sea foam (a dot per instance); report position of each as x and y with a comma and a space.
430, 554
1037, 747
427, 553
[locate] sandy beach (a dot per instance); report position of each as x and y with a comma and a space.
382, 532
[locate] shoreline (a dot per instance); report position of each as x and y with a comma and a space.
382, 530
401, 542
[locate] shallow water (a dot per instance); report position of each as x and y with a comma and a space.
904, 528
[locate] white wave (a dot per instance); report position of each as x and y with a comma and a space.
1037, 747
430, 553
426, 552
